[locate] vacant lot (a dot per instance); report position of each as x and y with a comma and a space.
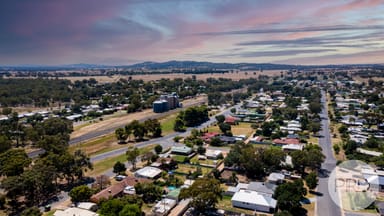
243, 128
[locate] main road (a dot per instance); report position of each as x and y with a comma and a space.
325, 205
165, 141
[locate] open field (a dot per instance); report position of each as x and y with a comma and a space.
243, 128
150, 77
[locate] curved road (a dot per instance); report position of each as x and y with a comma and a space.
325, 205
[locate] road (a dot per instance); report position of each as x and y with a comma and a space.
325, 205
165, 141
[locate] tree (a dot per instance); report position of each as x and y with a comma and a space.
225, 128
311, 180
201, 150
119, 168
80, 193
289, 195
315, 107
220, 118
149, 191
179, 124
33, 211
158, 149
5, 143
205, 193
215, 141
132, 154
343, 129
139, 130
314, 127
153, 126
13, 162
111, 207
121, 135
130, 210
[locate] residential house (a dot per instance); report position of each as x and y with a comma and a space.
213, 154
230, 120
117, 190
148, 172
276, 178
164, 206
181, 150
75, 212
253, 200
293, 147
208, 136
285, 141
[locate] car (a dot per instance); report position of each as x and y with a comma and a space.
120, 177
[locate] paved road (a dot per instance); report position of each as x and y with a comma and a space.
165, 141
325, 205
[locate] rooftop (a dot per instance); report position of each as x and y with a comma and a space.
253, 197
148, 172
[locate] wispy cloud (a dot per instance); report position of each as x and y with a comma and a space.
292, 30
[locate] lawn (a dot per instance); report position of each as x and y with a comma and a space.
243, 128
167, 124
226, 204
195, 160
185, 168
98, 145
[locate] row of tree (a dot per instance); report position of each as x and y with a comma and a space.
150, 127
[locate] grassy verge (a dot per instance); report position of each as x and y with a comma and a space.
98, 145
167, 124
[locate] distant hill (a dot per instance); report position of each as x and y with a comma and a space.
185, 65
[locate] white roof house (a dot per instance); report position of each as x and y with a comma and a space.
253, 200
74, 212
212, 154
275, 178
87, 206
148, 172
164, 206
293, 147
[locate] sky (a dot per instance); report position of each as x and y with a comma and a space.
123, 32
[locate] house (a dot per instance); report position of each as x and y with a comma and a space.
263, 188
227, 139
275, 178
369, 152
285, 141
75, 212
293, 147
181, 150
257, 140
87, 206
375, 179
253, 200
212, 154
230, 120
164, 206
208, 136
117, 189
148, 172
